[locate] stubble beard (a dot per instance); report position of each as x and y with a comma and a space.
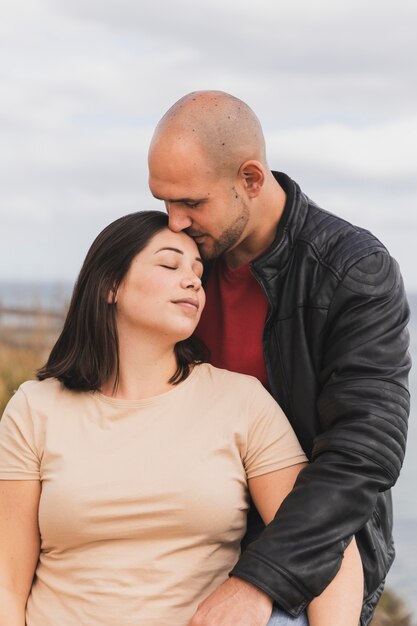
228, 237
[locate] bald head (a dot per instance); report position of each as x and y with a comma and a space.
207, 164
219, 127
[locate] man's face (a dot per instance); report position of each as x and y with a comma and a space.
210, 209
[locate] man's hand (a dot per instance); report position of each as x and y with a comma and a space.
235, 602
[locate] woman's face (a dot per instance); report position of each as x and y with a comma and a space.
161, 292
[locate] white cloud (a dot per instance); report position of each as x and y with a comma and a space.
374, 153
86, 81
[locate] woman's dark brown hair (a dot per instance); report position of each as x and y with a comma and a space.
86, 353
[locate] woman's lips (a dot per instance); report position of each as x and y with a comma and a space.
188, 303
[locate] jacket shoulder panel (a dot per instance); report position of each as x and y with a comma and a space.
374, 275
338, 244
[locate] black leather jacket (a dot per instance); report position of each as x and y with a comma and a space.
335, 345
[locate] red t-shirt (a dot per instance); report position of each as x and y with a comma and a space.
232, 323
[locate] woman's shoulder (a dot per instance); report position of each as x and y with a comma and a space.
40, 399
35, 391
238, 394
227, 378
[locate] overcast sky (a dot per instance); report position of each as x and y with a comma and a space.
83, 83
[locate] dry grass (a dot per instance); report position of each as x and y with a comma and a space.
17, 364
392, 611
25, 342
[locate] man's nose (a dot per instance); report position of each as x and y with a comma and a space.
178, 218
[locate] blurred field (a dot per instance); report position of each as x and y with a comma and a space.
392, 611
17, 364
26, 337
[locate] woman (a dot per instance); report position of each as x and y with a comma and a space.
125, 468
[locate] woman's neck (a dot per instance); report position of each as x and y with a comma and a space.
145, 368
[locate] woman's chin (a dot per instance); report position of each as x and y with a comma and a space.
183, 336
184, 333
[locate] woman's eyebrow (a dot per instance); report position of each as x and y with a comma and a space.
197, 258
168, 248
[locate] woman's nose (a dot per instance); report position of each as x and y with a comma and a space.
192, 282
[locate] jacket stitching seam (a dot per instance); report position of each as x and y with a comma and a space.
302, 306
375, 386
284, 573
321, 449
379, 249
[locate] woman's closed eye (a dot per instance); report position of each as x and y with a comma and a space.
169, 267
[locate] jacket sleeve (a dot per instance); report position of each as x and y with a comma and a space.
362, 408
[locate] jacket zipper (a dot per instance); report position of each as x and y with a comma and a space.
266, 333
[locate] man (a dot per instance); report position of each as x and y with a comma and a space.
315, 308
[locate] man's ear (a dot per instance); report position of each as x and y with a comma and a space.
253, 174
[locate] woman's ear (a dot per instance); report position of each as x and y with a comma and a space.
112, 296
254, 176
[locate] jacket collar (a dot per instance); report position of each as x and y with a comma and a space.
273, 261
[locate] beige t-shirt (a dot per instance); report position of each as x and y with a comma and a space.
143, 503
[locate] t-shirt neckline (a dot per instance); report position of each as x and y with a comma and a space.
161, 397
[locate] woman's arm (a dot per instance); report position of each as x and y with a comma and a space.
19, 547
341, 602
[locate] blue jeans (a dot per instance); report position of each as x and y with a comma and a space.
281, 618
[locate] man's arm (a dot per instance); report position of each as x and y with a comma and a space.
341, 602
362, 407
239, 602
